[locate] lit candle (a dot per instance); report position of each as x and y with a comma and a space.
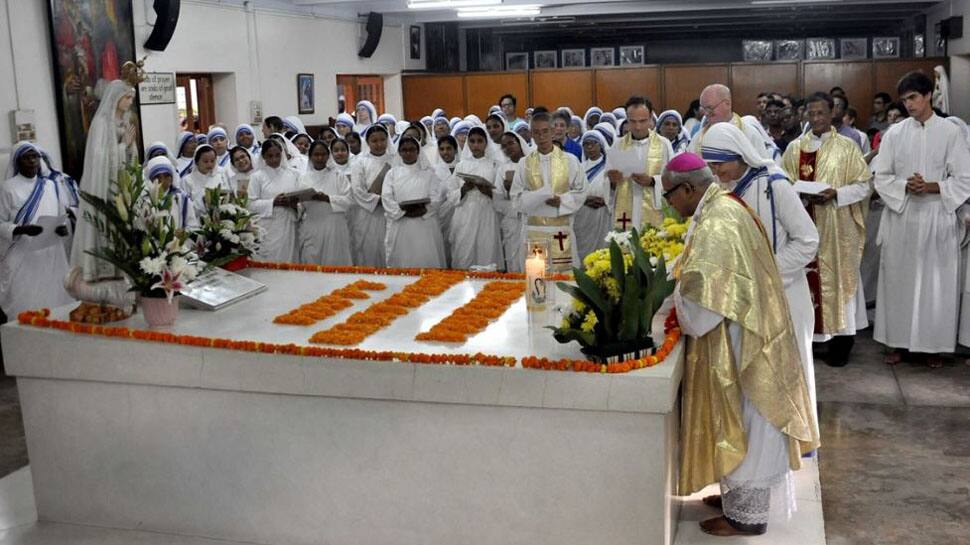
535, 275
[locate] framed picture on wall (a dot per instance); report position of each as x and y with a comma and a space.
788, 50
757, 50
304, 93
415, 42
518, 60
90, 41
602, 56
573, 58
631, 55
544, 59
853, 48
885, 48
819, 48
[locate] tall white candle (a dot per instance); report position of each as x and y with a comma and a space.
535, 275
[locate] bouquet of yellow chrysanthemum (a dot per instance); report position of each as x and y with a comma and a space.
617, 293
666, 242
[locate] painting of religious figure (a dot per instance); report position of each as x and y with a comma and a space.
90, 41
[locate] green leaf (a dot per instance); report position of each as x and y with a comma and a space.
564, 335
630, 321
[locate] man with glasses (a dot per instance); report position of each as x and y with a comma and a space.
717, 107
508, 103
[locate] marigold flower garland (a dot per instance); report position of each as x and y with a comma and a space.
365, 323
474, 316
328, 305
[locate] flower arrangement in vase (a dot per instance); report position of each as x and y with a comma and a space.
142, 241
230, 232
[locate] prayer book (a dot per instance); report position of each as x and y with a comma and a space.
218, 288
811, 188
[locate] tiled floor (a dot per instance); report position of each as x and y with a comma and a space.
894, 465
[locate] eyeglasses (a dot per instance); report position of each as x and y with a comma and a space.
710, 109
669, 192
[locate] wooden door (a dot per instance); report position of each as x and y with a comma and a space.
196, 101
355, 88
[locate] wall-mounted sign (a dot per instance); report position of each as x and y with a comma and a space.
158, 88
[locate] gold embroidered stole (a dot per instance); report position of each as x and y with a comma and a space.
554, 229
623, 211
842, 231
728, 268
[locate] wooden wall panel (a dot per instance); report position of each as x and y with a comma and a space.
855, 77
555, 88
747, 80
889, 72
422, 94
484, 90
682, 84
614, 86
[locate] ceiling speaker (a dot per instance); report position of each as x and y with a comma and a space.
167, 12
374, 27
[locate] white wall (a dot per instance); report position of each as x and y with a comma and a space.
958, 51
258, 55
26, 73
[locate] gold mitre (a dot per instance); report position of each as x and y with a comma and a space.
133, 73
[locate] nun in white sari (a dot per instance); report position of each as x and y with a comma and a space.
277, 213
30, 278
474, 236
366, 116
185, 151
410, 200
369, 224
671, 126
593, 220
514, 149
161, 170
323, 231
205, 175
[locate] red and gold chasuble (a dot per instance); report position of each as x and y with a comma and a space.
806, 172
556, 229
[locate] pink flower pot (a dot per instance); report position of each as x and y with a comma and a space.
158, 311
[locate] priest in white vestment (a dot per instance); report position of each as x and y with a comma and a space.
791, 231
410, 196
323, 233
922, 173
278, 213
30, 278
549, 186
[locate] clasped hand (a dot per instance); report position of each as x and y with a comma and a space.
918, 185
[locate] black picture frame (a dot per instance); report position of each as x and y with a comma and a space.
305, 94
89, 45
415, 41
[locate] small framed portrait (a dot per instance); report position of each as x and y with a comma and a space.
304, 93
819, 48
789, 50
415, 42
885, 48
544, 59
517, 61
573, 58
853, 48
602, 56
757, 50
631, 55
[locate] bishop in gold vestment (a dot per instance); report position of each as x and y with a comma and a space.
746, 415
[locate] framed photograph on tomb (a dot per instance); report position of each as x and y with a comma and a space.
518, 60
853, 48
819, 48
789, 50
757, 50
573, 58
544, 59
415, 40
631, 55
90, 41
304, 93
602, 56
885, 48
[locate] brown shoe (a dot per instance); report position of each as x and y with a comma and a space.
713, 501
722, 527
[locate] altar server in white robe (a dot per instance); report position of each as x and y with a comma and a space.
410, 198
548, 188
369, 225
277, 213
474, 236
185, 152
323, 231
791, 232
30, 278
922, 173
510, 220
594, 219
205, 175
160, 170
218, 138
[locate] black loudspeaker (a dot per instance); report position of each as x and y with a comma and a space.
167, 12
375, 25
953, 28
